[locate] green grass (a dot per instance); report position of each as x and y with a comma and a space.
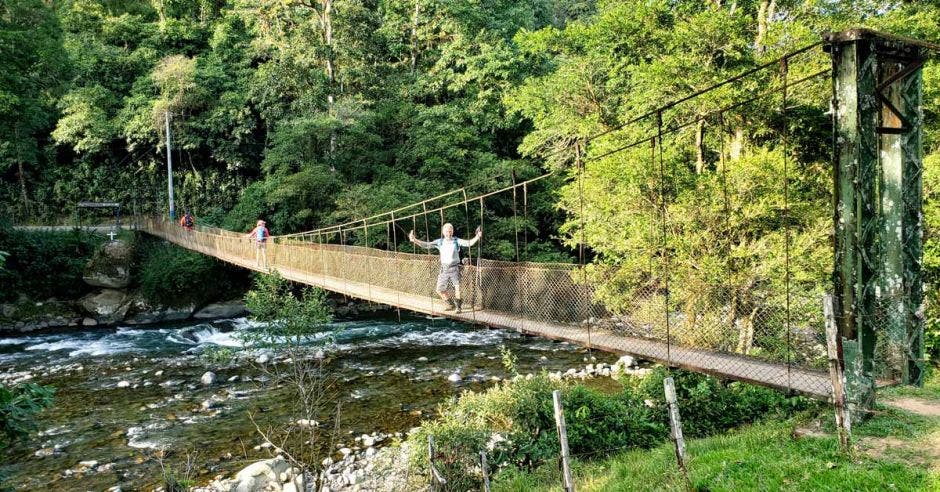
894, 450
930, 390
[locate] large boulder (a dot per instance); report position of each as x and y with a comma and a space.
142, 313
107, 306
110, 267
230, 309
260, 475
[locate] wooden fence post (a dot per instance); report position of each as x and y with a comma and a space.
563, 439
836, 376
486, 472
437, 479
676, 425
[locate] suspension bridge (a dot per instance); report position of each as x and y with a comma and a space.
767, 331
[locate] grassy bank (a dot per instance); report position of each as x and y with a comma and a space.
894, 450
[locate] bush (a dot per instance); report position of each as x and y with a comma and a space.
19, 406
514, 422
172, 276
709, 405
41, 265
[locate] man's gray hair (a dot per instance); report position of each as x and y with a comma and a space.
445, 226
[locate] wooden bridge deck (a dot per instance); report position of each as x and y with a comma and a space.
724, 365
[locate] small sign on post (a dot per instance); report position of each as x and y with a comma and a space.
836, 375
675, 425
563, 439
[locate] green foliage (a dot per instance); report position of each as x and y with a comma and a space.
709, 405
509, 361
290, 320
215, 355
41, 265
173, 276
514, 421
19, 406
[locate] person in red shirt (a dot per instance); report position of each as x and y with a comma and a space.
187, 221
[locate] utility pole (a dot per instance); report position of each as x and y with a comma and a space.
169, 167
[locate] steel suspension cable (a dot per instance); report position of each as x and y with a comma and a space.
584, 289
664, 245
395, 244
368, 257
723, 162
515, 217
480, 260
784, 74
466, 211
525, 222
518, 302
342, 241
427, 234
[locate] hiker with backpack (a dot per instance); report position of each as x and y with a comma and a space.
187, 221
451, 267
260, 235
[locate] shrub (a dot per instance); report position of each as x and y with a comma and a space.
709, 405
514, 421
172, 276
45, 264
19, 406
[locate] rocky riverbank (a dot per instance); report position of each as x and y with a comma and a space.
378, 462
115, 302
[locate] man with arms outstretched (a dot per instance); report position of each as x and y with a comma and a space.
449, 247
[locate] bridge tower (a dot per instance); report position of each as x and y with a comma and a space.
877, 167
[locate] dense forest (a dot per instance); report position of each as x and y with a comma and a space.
308, 112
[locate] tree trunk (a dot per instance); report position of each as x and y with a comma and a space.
737, 144
761, 26
746, 334
327, 17
414, 38
21, 174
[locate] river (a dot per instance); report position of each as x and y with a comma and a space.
128, 395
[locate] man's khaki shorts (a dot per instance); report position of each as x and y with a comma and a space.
449, 275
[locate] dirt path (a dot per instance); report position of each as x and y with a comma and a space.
919, 406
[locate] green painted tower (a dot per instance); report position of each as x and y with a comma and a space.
877, 167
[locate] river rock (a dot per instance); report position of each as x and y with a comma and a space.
230, 309
108, 305
454, 378
208, 378
263, 358
123, 384
622, 366
260, 475
110, 266
142, 313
